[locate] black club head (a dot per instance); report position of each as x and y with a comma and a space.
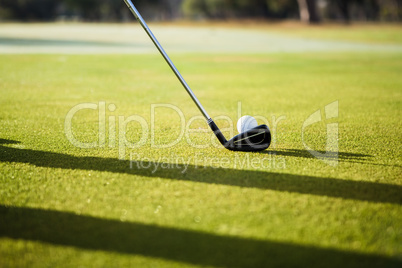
252, 140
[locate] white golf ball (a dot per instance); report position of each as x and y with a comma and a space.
245, 123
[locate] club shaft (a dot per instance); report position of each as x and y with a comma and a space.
144, 25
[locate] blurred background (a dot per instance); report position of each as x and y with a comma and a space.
308, 11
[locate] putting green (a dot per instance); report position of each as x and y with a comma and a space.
179, 199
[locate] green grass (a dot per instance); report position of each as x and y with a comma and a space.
372, 33
65, 206
356, 32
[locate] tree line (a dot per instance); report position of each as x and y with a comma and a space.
313, 11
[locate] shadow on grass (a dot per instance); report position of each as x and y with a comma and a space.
321, 186
4, 141
329, 156
342, 156
200, 248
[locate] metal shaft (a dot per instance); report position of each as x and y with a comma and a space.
166, 57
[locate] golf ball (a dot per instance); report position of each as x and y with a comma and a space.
245, 123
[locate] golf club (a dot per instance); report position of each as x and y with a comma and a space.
255, 139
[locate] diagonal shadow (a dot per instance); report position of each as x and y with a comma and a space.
321, 186
5, 141
187, 246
